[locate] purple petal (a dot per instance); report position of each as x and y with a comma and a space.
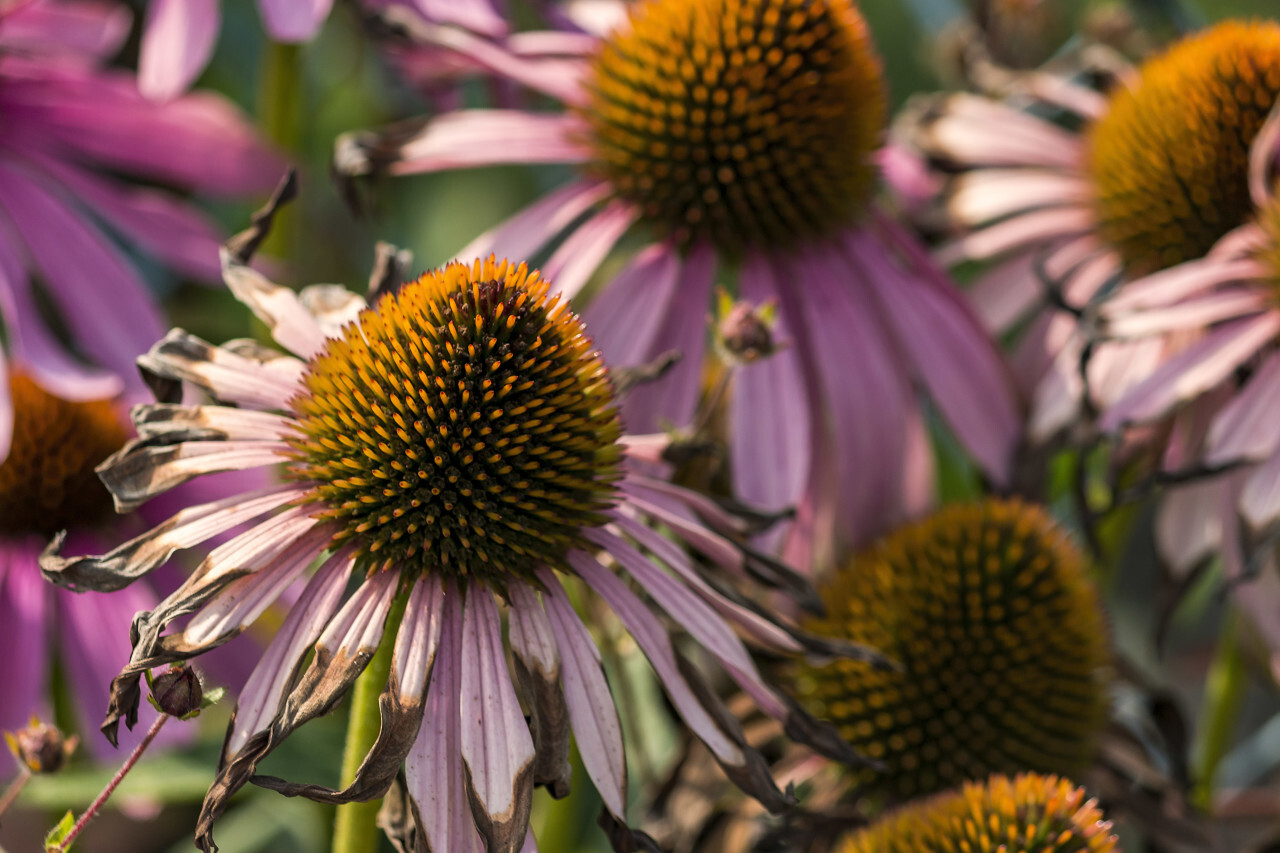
497, 750
769, 414
177, 43
580, 255
25, 603
479, 16
103, 300
674, 398
419, 638
591, 708
81, 29
524, 234
433, 769
653, 640
1246, 427
626, 316
271, 679
1193, 371
487, 137
294, 20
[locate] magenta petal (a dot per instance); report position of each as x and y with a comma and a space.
101, 297
476, 15
769, 415
582, 251
294, 20
591, 709
6, 409
624, 319
433, 768
95, 29
673, 399
271, 679
177, 43
524, 234
653, 640
1246, 427
25, 603
497, 748
486, 137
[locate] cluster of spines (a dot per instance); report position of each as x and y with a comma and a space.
464, 424
1169, 160
47, 480
1029, 814
742, 121
1002, 642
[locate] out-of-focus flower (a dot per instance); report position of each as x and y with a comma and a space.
743, 137
40, 748
1155, 174
451, 452
1003, 644
1222, 388
1030, 813
70, 129
179, 36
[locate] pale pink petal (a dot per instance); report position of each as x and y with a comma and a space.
653, 640
673, 399
251, 550
1176, 283
228, 376
553, 43
625, 318
177, 43
433, 768
419, 637
591, 709
524, 234
1117, 366
1007, 292
92, 29
293, 20
291, 323
1019, 232
958, 363
1188, 526
272, 677
582, 252
112, 317
769, 450
913, 184
979, 132
1264, 160
476, 15
693, 533
1192, 314
25, 623
1246, 428
986, 194
486, 137
919, 485
497, 750
139, 472
1260, 498
1193, 371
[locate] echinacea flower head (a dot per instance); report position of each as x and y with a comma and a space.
740, 138
1030, 812
451, 452
990, 611
1129, 183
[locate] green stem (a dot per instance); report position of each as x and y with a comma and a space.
1224, 688
280, 116
355, 830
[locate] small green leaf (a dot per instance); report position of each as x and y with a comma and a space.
213, 697
53, 841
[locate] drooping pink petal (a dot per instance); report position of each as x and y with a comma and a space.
524, 234
433, 768
497, 750
673, 398
1260, 497
271, 679
580, 255
25, 624
653, 640
626, 316
591, 709
487, 137
986, 194
1188, 526
1193, 371
84, 29
1175, 284
293, 20
111, 318
1246, 427
1019, 232
769, 450
177, 42
1190, 315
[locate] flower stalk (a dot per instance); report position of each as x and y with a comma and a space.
1224, 689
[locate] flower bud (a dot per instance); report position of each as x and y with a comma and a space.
177, 692
745, 331
41, 748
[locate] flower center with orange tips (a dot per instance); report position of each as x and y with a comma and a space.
463, 424
1169, 159
743, 122
47, 482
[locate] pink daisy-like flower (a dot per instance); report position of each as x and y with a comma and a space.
450, 452
179, 36
1222, 314
70, 127
1120, 186
741, 139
